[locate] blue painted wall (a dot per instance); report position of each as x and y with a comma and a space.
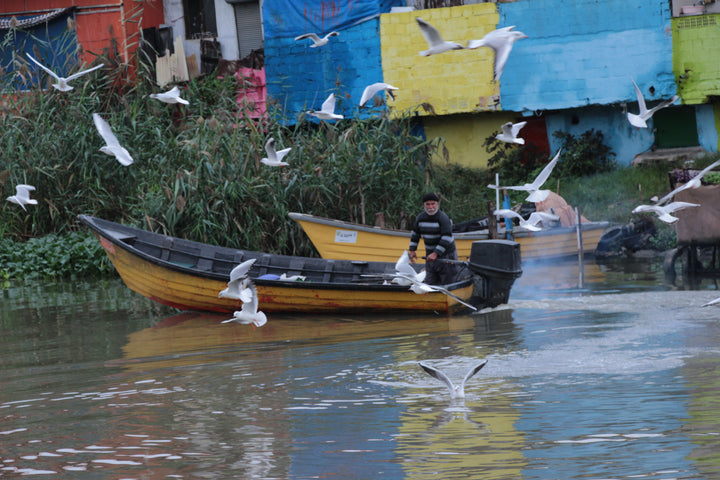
300, 78
584, 52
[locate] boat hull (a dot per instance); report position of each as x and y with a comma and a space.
172, 277
334, 239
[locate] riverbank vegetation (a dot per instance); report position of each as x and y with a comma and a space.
197, 172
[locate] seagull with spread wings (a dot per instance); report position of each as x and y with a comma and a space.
640, 119
171, 96
434, 40
63, 82
532, 221
510, 133
112, 146
237, 287
664, 211
275, 158
501, 41
371, 90
327, 111
317, 41
249, 313
456, 391
22, 196
535, 193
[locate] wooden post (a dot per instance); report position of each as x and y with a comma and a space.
581, 265
492, 221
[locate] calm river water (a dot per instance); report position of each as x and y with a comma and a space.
615, 379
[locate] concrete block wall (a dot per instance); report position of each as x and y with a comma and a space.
458, 81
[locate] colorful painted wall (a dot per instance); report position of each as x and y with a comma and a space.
98, 23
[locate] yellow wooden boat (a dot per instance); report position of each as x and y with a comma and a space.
189, 275
335, 239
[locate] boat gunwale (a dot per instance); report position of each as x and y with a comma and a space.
94, 223
472, 235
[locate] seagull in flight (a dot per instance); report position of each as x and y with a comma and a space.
22, 196
532, 221
421, 288
237, 287
535, 194
434, 40
664, 211
694, 182
317, 41
501, 41
62, 82
510, 133
371, 90
274, 159
711, 302
456, 391
112, 146
640, 119
249, 313
171, 96
327, 111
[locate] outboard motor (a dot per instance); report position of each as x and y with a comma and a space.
498, 264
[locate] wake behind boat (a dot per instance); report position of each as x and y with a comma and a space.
189, 275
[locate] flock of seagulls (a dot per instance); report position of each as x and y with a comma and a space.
112, 146
501, 41
664, 210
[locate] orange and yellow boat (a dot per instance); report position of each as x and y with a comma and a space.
189, 275
336, 239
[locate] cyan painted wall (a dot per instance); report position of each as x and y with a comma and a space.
584, 52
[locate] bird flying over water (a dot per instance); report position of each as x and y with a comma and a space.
112, 146
327, 111
22, 196
237, 287
171, 96
640, 119
664, 211
274, 159
532, 221
456, 391
373, 89
317, 41
249, 313
62, 82
501, 41
434, 40
694, 182
510, 133
535, 194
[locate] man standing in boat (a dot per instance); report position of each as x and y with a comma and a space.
435, 228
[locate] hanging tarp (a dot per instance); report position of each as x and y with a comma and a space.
290, 18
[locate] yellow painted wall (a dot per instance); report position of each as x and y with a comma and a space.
464, 135
457, 81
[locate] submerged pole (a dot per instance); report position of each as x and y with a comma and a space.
581, 265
